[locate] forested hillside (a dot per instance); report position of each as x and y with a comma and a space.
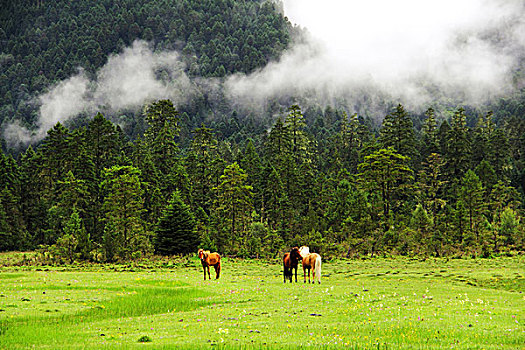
43, 42
447, 182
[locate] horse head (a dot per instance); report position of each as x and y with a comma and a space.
296, 254
202, 254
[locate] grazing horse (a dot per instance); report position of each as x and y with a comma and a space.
311, 261
210, 259
290, 261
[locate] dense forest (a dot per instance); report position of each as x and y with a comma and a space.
91, 193
447, 182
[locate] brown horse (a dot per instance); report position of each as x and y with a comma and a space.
290, 261
210, 259
312, 262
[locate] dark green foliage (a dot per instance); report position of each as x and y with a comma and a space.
91, 194
123, 207
398, 132
145, 339
176, 231
45, 42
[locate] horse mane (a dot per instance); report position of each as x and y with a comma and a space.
304, 251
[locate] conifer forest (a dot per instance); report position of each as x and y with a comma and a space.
171, 175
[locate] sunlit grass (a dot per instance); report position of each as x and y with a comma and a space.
370, 304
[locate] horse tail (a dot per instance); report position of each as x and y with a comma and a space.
318, 268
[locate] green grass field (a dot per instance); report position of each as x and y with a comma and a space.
361, 304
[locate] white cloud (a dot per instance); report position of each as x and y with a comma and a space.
405, 49
359, 52
128, 80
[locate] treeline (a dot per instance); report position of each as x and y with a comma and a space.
44, 42
92, 194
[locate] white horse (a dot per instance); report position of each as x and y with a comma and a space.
311, 261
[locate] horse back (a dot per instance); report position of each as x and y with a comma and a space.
309, 260
213, 259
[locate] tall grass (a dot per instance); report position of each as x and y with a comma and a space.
64, 330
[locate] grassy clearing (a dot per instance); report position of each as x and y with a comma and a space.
379, 304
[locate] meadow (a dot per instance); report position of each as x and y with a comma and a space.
397, 303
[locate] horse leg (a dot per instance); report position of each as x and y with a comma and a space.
304, 274
208, 268
217, 270
204, 270
296, 274
309, 281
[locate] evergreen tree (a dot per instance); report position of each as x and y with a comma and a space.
234, 204
429, 139
295, 125
340, 206
387, 173
397, 131
163, 121
481, 148
275, 200
421, 223
201, 162
125, 233
55, 156
104, 142
34, 205
251, 163
508, 230
350, 141
176, 229
278, 143
458, 147
75, 231
471, 193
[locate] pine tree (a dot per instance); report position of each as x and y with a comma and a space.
278, 143
350, 141
163, 121
458, 147
429, 139
397, 131
34, 206
74, 228
295, 125
483, 131
175, 231
234, 203
251, 163
421, 223
275, 201
200, 165
471, 193
386, 172
125, 233
104, 142
55, 160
